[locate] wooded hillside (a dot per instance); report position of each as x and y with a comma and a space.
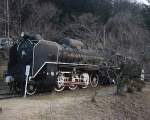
116, 24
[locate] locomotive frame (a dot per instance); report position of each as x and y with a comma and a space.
66, 74
49, 65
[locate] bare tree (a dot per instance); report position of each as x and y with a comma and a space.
126, 34
87, 29
40, 20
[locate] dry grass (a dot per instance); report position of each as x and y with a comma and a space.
77, 105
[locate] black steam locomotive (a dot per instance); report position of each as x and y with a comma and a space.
36, 64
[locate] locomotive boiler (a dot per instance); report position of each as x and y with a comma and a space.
37, 64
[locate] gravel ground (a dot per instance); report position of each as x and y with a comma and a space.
77, 105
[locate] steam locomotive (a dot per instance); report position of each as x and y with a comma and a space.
36, 64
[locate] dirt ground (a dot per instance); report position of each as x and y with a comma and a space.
77, 105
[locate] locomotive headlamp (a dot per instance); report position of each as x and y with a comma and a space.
23, 53
52, 73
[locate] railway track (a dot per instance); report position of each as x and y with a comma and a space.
8, 96
5, 92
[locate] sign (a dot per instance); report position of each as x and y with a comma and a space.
27, 76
